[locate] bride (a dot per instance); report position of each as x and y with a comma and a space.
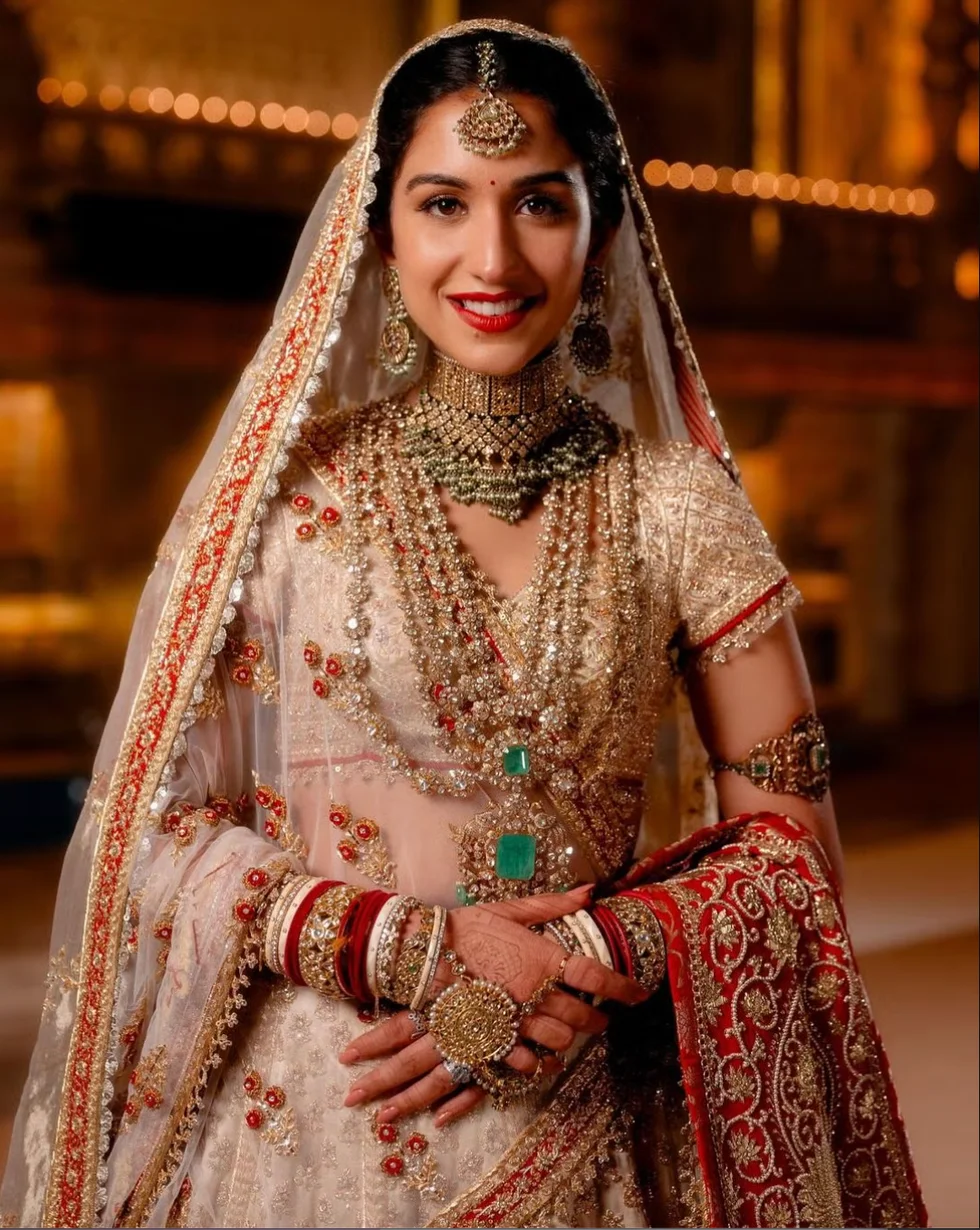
384, 908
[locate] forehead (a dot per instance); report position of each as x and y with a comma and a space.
436, 147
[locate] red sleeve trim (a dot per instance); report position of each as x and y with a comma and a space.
751, 609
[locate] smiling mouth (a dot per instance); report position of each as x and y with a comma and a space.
493, 314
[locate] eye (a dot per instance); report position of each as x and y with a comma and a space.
442, 206
542, 206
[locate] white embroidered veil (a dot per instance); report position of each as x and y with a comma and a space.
318, 354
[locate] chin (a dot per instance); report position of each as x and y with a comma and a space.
494, 356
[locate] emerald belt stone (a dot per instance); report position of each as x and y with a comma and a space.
517, 761
515, 856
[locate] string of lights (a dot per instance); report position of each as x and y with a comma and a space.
765, 185
214, 110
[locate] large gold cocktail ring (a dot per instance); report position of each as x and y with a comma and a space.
474, 1023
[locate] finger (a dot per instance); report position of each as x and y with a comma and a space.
407, 1065
522, 1060
433, 1086
555, 1035
543, 907
590, 976
581, 1016
458, 1105
390, 1035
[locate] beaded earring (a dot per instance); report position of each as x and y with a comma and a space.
399, 349
591, 347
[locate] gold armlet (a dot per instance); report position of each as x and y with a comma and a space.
797, 762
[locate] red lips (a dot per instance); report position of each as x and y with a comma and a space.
492, 322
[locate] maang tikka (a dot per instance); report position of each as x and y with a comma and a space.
590, 346
489, 127
399, 349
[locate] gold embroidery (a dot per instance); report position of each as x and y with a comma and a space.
163, 930
212, 703
61, 973
408, 1159
560, 1155
319, 526
129, 1035
269, 1114
213, 1039
146, 1085
763, 1073
179, 1215
363, 846
276, 823
249, 667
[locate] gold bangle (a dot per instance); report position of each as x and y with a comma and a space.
388, 945
646, 940
317, 943
411, 958
796, 762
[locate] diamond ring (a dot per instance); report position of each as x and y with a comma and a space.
459, 1073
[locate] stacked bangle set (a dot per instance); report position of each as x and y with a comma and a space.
346, 942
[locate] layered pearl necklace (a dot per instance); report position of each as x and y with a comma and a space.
508, 717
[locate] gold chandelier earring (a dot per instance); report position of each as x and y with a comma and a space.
591, 347
399, 349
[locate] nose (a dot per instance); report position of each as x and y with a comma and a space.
495, 256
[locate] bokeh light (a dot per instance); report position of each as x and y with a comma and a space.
73, 93
318, 124
241, 113
214, 109
111, 97
344, 126
186, 106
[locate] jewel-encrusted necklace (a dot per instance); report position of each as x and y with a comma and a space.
511, 723
501, 440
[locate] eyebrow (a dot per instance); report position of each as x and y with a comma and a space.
525, 181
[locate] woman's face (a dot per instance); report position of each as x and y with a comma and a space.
489, 252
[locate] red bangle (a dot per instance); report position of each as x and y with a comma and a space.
615, 937
290, 956
352, 935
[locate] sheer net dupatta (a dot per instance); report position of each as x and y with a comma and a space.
79, 1155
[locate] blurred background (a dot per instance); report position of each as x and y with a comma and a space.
812, 167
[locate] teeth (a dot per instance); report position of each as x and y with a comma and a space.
482, 308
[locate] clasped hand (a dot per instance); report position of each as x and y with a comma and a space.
494, 943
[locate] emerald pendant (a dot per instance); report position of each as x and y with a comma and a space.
517, 761
515, 856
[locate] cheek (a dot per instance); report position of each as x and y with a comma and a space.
424, 260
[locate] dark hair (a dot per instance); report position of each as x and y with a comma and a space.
523, 67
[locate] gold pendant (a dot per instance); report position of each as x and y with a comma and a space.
513, 849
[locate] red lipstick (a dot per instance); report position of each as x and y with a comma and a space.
503, 311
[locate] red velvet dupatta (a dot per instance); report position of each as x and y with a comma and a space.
787, 1115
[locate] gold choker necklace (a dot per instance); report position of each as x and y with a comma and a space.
500, 440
